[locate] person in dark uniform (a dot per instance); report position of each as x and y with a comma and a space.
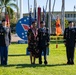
0, 51
43, 42
33, 42
69, 41
5, 39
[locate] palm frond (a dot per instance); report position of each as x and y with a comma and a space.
13, 5
5, 2
9, 5
10, 11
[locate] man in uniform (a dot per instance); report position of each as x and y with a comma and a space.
43, 36
5, 38
69, 41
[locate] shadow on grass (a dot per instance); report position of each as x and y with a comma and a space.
14, 43
17, 55
33, 65
54, 42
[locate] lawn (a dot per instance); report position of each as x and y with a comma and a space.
19, 62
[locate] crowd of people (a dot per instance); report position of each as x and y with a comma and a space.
38, 42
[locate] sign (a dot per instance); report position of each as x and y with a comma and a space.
22, 27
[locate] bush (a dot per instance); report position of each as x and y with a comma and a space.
56, 37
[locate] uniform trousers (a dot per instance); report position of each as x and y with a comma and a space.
70, 53
42, 49
4, 54
0, 56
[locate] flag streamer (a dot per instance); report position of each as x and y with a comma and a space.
58, 30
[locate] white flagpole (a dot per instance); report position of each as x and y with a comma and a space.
35, 4
17, 9
63, 15
21, 9
28, 7
49, 23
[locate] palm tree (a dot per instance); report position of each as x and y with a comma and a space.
8, 5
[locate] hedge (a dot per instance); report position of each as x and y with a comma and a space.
56, 37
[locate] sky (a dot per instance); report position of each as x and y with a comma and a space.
69, 5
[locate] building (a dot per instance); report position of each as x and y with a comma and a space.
69, 15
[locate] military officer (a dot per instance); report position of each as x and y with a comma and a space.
43, 36
69, 41
5, 39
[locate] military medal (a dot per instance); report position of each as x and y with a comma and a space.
44, 31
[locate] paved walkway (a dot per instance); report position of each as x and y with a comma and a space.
15, 38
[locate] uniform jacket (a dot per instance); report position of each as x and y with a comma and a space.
70, 36
43, 36
5, 36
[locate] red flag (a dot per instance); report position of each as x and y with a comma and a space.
7, 19
58, 27
39, 16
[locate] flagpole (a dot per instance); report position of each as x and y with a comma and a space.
17, 9
30, 12
21, 9
46, 5
58, 30
35, 4
39, 16
49, 24
28, 6
43, 15
63, 16
56, 41
35, 8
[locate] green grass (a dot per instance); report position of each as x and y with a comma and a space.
19, 62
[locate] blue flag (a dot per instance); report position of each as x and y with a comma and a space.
35, 9
44, 14
30, 19
35, 17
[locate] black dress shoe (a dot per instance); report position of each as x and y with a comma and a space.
3, 64
72, 63
45, 62
40, 62
68, 62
